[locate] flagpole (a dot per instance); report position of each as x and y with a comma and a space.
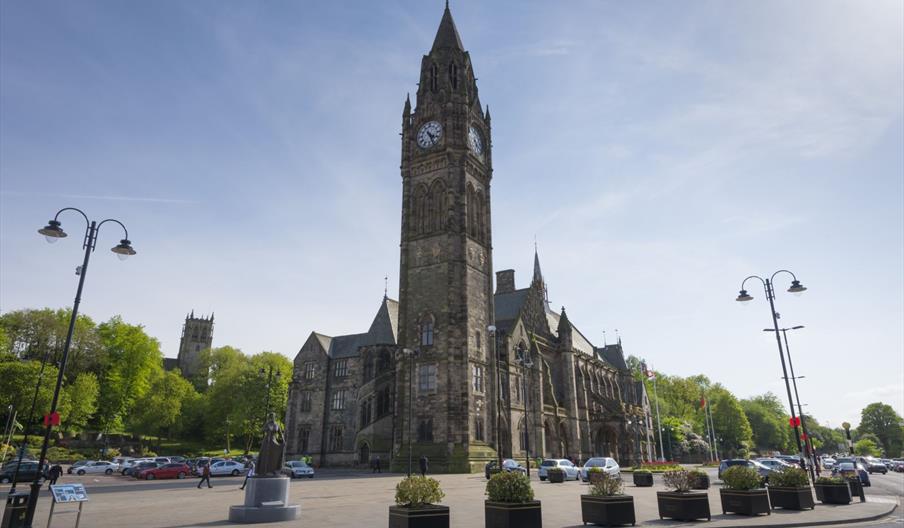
709, 437
712, 431
658, 420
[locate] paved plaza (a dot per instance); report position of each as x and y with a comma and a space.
346, 498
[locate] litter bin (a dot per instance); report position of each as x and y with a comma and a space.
14, 514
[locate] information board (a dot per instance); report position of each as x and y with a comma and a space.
69, 493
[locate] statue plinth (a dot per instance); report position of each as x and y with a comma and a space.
266, 500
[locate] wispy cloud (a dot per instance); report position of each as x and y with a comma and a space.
102, 197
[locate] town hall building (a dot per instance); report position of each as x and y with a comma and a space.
454, 369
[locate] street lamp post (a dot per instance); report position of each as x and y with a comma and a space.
270, 373
669, 429
30, 422
412, 354
796, 288
808, 443
491, 330
53, 232
524, 360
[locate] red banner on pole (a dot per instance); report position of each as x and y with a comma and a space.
52, 419
794, 422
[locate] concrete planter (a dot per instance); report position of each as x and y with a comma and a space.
834, 493
791, 498
857, 488
643, 480
512, 514
607, 511
745, 502
431, 516
688, 506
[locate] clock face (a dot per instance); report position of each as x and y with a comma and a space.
474, 141
429, 134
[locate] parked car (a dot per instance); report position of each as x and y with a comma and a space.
227, 467
774, 464
178, 459
828, 463
298, 469
128, 464
508, 465
27, 471
793, 460
873, 465
763, 470
97, 467
120, 461
179, 471
609, 465
571, 471
849, 469
161, 460
141, 466
75, 465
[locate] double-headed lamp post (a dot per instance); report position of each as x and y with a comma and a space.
412, 355
796, 288
53, 232
523, 359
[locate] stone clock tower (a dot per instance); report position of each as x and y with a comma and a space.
445, 286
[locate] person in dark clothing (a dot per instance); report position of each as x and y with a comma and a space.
377, 467
55, 471
249, 474
205, 476
423, 463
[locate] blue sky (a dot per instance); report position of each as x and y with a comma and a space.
660, 152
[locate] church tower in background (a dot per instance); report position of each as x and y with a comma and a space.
197, 336
445, 286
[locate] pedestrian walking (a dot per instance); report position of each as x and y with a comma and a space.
376, 465
249, 474
205, 475
423, 463
55, 471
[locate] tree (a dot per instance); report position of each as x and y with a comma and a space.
130, 358
881, 420
867, 447
18, 380
768, 423
730, 423
80, 402
158, 411
32, 333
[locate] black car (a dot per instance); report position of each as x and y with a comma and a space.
26, 473
139, 467
508, 465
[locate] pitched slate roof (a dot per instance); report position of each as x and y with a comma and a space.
383, 331
578, 341
613, 355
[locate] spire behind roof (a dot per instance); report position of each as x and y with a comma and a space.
447, 34
538, 274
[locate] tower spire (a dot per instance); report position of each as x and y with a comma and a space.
538, 274
447, 34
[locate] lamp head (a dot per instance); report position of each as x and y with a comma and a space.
796, 287
798, 327
52, 232
124, 249
743, 296
491, 329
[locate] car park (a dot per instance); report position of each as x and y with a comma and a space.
298, 469
607, 464
508, 465
850, 469
97, 467
226, 467
164, 471
571, 471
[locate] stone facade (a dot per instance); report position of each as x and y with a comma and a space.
424, 379
197, 336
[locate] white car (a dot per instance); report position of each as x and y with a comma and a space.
774, 463
92, 467
609, 465
298, 469
571, 471
227, 467
130, 463
828, 462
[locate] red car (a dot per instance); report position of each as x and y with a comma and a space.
179, 471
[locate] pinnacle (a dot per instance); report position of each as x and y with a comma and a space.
447, 34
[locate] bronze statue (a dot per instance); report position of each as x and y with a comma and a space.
270, 459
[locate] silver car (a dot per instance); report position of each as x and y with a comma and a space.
571, 471
298, 469
608, 465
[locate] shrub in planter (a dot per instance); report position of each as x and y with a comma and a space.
607, 504
743, 492
790, 489
681, 503
510, 502
833, 490
699, 479
555, 475
416, 507
643, 478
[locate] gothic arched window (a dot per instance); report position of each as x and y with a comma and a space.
453, 75
433, 77
419, 212
426, 328
472, 211
438, 205
481, 217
